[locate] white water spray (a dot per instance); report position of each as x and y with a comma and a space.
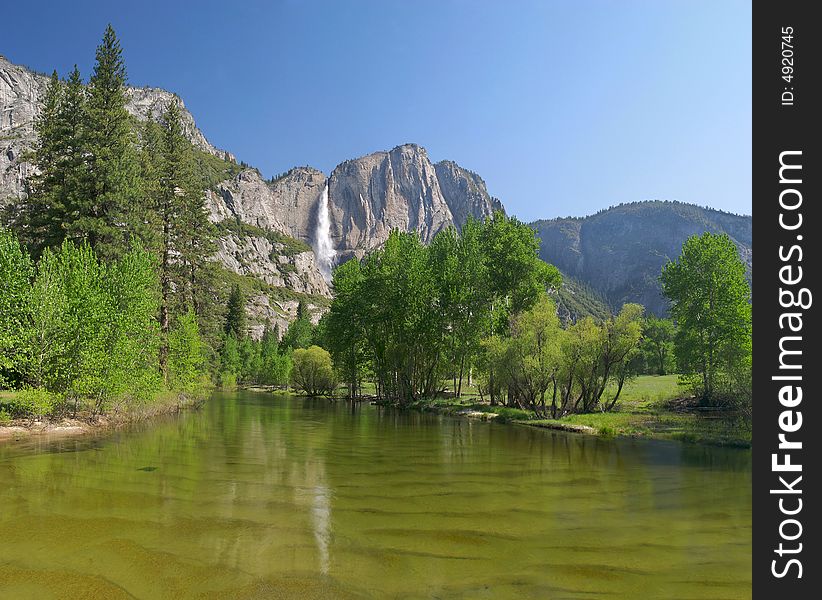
323, 246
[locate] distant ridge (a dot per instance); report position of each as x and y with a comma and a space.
620, 251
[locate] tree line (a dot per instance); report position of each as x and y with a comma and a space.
409, 316
480, 305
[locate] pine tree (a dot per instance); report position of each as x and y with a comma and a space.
109, 211
61, 185
38, 225
175, 222
73, 172
235, 323
195, 233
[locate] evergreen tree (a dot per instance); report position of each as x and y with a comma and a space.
300, 333
39, 220
235, 322
275, 366
175, 223
61, 183
250, 358
230, 359
107, 215
73, 174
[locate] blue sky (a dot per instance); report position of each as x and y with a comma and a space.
564, 107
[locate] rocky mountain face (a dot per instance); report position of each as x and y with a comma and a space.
20, 93
367, 198
402, 189
620, 252
288, 205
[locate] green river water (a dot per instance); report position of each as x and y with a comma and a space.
265, 496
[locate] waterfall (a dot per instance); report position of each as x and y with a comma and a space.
323, 246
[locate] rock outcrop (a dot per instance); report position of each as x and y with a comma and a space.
400, 189
20, 93
296, 196
246, 198
465, 193
149, 102
273, 263
370, 196
287, 204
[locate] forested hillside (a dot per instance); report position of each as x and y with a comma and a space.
619, 252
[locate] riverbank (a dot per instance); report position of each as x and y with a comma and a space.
650, 406
86, 422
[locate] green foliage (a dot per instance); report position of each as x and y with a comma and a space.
131, 284
213, 170
185, 355
313, 372
32, 403
658, 345
527, 363
175, 222
235, 320
347, 324
230, 359
15, 281
710, 302
515, 272
5, 417
597, 356
507, 413
577, 300
95, 334
275, 365
228, 380
248, 361
300, 333
411, 314
59, 190
90, 332
113, 165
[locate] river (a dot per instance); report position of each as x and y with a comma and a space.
271, 496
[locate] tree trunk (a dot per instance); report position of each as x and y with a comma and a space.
462, 366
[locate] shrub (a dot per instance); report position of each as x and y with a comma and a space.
312, 372
505, 414
5, 417
35, 403
228, 380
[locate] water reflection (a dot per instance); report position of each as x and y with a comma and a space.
255, 496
